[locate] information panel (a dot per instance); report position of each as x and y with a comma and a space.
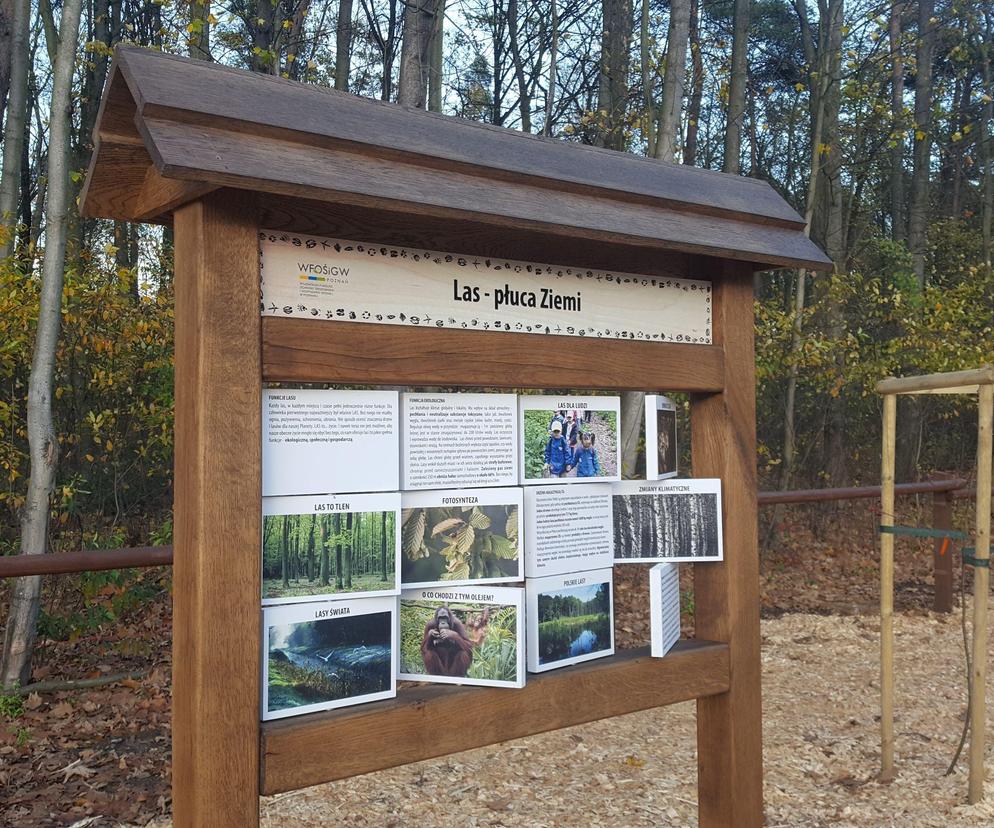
326, 278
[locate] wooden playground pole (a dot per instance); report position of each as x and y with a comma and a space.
887, 589
981, 585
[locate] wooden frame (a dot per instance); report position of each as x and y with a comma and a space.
189, 142
979, 381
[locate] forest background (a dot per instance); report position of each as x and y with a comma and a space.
873, 119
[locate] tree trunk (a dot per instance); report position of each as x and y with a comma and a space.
6, 34
987, 153
435, 58
296, 66
696, 86
632, 431
42, 440
550, 93
338, 552
323, 546
352, 534
897, 223
737, 86
648, 99
263, 58
285, 552
612, 95
524, 98
673, 81
383, 544
311, 568
199, 41
14, 124
343, 45
918, 213
419, 22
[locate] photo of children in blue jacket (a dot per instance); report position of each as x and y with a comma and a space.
560, 443
558, 457
585, 457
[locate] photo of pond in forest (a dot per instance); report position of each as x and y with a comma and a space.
326, 554
328, 660
574, 622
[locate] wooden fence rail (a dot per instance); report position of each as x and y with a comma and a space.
943, 492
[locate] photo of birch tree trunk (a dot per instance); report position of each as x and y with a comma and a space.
677, 526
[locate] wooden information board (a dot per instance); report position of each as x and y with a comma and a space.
224, 154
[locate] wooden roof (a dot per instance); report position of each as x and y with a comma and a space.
171, 129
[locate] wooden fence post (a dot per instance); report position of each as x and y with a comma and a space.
981, 589
729, 726
942, 553
218, 507
889, 438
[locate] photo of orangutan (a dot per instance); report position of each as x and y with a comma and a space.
446, 649
461, 642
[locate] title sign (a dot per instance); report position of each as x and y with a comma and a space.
348, 281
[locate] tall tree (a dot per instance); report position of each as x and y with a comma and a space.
986, 150
436, 59
199, 30
42, 439
673, 80
15, 123
352, 533
419, 23
918, 211
696, 85
343, 45
737, 86
612, 93
339, 584
6, 35
383, 544
897, 222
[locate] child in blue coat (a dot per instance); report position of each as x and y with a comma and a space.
585, 458
558, 457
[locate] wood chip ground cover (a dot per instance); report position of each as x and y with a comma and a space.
101, 757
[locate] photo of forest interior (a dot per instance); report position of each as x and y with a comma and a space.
327, 554
472, 640
665, 441
566, 453
678, 526
460, 543
328, 660
574, 622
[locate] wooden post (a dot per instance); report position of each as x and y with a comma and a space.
729, 725
981, 586
942, 553
889, 439
216, 573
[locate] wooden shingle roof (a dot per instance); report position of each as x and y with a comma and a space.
171, 129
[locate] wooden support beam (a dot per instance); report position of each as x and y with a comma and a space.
887, 589
952, 382
434, 720
981, 590
218, 492
159, 196
729, 726
303, 350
